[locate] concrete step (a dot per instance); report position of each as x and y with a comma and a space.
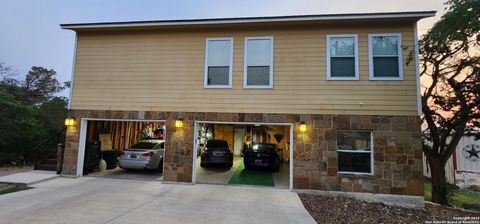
46, 167
50, 162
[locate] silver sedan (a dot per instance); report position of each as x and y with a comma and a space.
145, 155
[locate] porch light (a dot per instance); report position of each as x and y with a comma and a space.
179, 123
303, 127
69, 121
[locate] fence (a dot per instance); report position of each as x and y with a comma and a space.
463, 167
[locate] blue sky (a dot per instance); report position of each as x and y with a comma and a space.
30, 34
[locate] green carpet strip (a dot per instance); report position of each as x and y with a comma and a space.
251, 177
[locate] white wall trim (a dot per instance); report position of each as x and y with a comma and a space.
195, 153
417, 70
81, 147
355, 42
69, 104
400, 56
245, 63
83, 138
195, 136
205, 79
291, 156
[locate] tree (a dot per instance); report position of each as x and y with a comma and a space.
19, 127
52, 114
450, 75
30, 112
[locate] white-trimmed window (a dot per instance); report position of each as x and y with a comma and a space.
385, 56
258, 62
218, 63
354, 152
342, 57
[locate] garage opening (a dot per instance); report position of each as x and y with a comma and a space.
124, 149
243, 154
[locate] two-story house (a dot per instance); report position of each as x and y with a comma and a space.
344, 86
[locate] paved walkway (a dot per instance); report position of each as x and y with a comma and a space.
105, 200
29, 177
8, 170
119, 173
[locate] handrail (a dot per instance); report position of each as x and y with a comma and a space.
59, 166
34, 150
47, 139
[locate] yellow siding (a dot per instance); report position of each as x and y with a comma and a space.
163, 70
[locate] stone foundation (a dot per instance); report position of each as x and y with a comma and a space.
396, 139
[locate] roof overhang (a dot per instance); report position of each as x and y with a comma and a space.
414, 16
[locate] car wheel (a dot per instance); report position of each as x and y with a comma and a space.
160, 166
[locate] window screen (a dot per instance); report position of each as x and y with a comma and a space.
342, 57
385, 56
259, 62
354, 150
219, 56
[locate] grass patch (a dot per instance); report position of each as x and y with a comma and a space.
11, 188
456, 196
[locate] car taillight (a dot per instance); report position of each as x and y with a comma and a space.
122, 153
147, 154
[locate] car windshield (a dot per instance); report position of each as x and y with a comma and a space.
263, 148
217, 144
143, 145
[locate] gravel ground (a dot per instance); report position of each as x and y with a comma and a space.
7, 170
345, 210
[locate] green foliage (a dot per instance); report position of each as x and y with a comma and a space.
460, 23
30, 113
19, 127
52, 113
456, 196
40, 85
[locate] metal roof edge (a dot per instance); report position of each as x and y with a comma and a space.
294, 18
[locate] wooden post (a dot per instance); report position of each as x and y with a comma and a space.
60, 150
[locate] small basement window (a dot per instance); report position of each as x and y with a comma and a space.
354, 152
385, 56
258, 68
218, 63
342, 57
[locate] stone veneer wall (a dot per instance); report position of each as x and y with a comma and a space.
397, 148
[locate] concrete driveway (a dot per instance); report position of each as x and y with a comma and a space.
105, 200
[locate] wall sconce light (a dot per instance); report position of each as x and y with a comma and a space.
179, 123
69, 121
303, 126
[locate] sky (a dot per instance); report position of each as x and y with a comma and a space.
30, 34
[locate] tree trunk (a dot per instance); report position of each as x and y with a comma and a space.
439, 182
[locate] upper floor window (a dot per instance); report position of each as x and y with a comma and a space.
218, 63
258, 68
385, 54
342, 57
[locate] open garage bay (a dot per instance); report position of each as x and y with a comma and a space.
124, 149
243, 154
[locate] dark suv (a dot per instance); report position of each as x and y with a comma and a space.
262, 155
217, 152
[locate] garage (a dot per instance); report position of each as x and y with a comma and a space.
238, 153
122, 149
